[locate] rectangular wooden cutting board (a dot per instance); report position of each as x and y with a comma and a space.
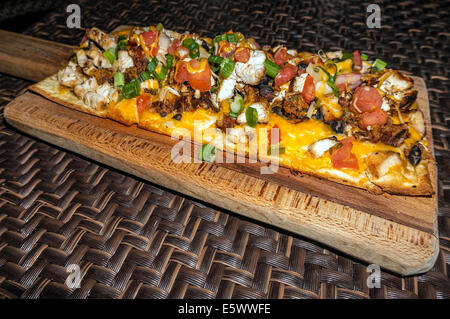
398, 233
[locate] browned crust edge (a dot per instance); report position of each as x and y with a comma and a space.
424, 188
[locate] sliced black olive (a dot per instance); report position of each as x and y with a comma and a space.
337, 126
277, 110
163, 113
415, 155
303, 65
266, 92
205, 46
177, 117
319, 114
264, 81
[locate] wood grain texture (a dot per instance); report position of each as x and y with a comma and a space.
31, 58
398, 233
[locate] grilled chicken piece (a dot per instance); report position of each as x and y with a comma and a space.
299, 83
125, 61
396, 82
106, 41
253, 71
97, 57
226, 89
89, 68
334, 55
415, 118
399, 88
236, 135
81, 57
88, 85
95, 96
379, 163
317, 149
261, 109
71, 75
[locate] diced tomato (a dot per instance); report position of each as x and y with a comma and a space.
286, 74
366, 99
181, 73
276, 133
196, 72
357, 58
314, 60
199, 74
342, 156
226, 49
149, 37
155, 50
281, 56
242, 55
142, 102
377, 117
173, 46
309, 89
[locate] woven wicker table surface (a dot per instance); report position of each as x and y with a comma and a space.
133, 239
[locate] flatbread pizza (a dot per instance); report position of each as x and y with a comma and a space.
345, 117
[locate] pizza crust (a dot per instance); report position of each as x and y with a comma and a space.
51, 89
126, 113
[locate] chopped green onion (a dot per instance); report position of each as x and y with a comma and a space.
131, 89
194, 53
214, 89
122, 45
188, 42
222, 37
251, 115
271, 68
110, 54
239, 36
215, 59
144, 76
231, 37
207, 153
347, 56
333, 87
159, 26
119, 79
330, 82
233, 115
237, 105
226, 68
169, 61
327, 73
273, 149
379, 64
364, 57
152, 63
161, 75
214, 69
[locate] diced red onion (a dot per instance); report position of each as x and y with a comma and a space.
352, 79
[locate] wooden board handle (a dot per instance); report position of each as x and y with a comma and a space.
31, 58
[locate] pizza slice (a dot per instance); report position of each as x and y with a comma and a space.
340, 116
